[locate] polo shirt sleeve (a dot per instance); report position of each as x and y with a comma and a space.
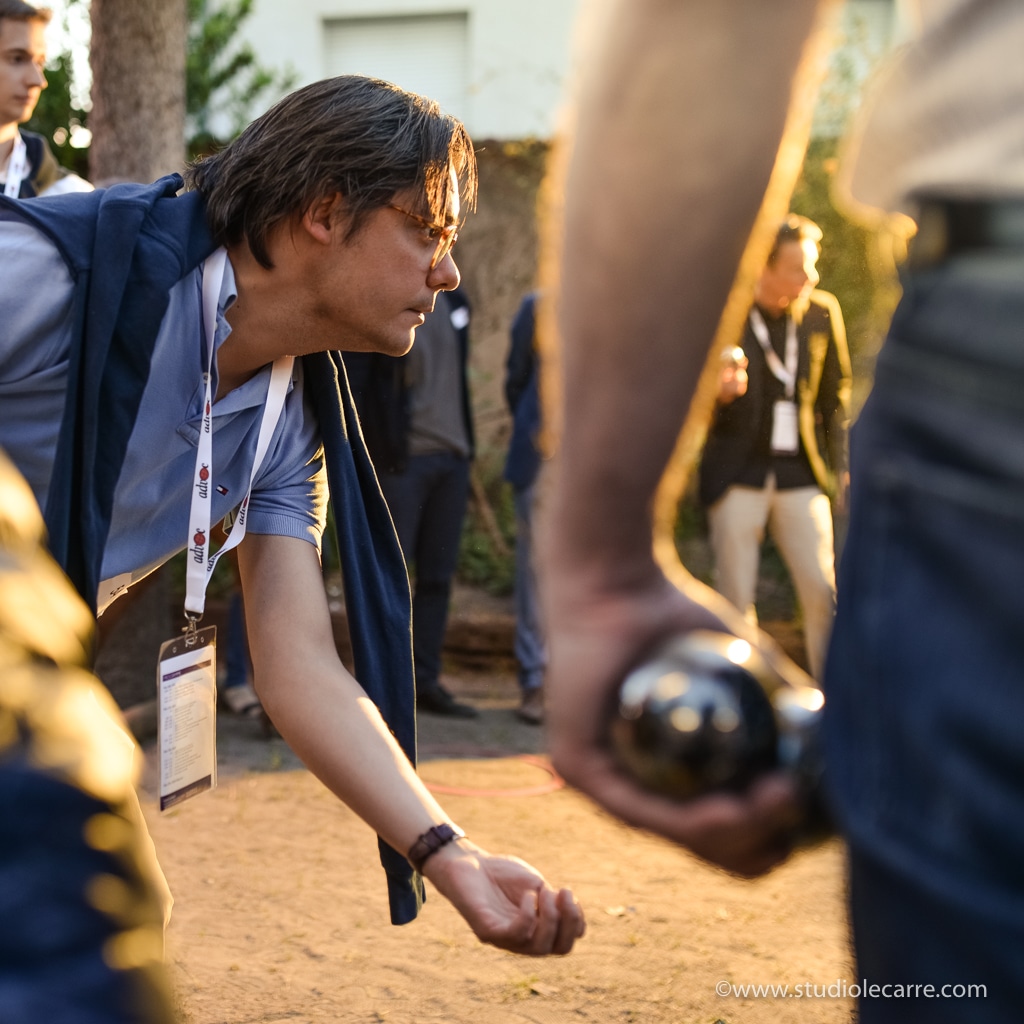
289, 497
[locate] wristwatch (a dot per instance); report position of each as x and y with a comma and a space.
430, 842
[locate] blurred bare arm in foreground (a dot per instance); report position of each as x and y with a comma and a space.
679, 124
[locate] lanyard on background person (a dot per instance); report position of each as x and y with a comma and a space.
785, 436
17, 168
786, 373
187, 665
200, 562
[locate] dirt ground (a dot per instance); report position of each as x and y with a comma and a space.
281, 913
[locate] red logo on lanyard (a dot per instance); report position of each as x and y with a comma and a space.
204, 473
200, 538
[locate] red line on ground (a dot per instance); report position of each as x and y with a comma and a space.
555, 782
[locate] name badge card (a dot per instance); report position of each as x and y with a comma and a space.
785, 428
186, 715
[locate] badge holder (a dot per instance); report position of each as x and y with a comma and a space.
187, 714
785, 438
785, 428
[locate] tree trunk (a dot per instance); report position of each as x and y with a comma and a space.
138, 89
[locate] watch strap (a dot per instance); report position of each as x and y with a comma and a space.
430, 842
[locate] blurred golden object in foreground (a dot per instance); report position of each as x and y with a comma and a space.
83, 924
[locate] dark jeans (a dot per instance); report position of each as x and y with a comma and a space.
925, 680
428, 505
529, 639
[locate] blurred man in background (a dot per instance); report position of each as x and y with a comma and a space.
27, 166
776, 446
416, 415
522, 467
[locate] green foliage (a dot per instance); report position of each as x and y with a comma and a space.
691, 521
481, 563
856, 263
57, 117
223, 84
851, 264
223, 81
861, 44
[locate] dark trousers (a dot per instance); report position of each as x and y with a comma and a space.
529, 639
428, 504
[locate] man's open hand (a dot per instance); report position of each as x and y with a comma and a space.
505, 901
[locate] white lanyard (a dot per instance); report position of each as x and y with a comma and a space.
784, 373
17, 167
200, 562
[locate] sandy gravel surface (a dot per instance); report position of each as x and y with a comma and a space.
281, 912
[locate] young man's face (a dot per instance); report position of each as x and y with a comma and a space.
22, 57
378, 286
792, 277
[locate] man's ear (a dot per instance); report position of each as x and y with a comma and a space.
323, 217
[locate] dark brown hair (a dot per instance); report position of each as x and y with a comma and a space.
794, 229
17, 10
361, 137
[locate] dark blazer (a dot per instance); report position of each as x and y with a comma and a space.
126, 247
383, 398
824, 379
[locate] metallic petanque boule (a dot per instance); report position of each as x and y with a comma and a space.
708, 712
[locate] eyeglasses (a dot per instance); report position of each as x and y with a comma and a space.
443, 235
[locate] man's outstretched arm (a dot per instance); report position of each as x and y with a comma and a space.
675, 152
331, 724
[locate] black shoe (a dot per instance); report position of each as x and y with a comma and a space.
438, 701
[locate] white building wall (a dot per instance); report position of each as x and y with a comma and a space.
514, 54
502, 66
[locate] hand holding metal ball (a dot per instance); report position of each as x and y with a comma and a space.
708, 712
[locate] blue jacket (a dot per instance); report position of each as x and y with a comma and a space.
521, 392
126, 247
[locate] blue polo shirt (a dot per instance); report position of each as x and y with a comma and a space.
153, 495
